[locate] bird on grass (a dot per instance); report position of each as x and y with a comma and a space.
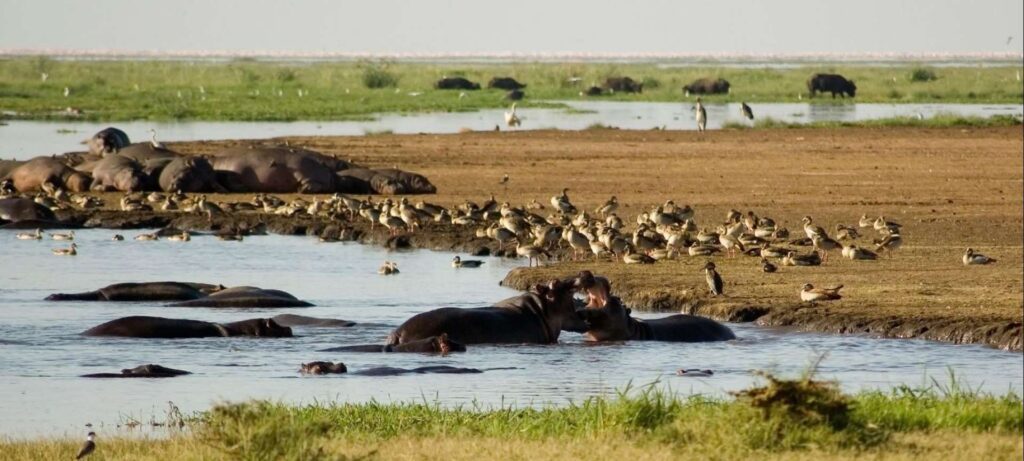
767, 266
974, 258
810, 294
88, 447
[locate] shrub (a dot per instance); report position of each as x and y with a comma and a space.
376, 74
923, 74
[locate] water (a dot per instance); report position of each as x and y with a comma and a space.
26, 139
41, 353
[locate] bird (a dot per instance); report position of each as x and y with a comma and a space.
857, 253
67, 236
117, 238
702, 116
67, 92
810, 294
182, 237
636, 258
37, 235
824, 244
69, 251
715, 284
609, 207
88, 447
890, 243
152, 140
747, 112
531, 251
794, 259
511, 119
388, 268
504, 180
459, 262
767, 266
973, 258
147, 237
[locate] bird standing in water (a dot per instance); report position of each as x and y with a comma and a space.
747, 112
702, 116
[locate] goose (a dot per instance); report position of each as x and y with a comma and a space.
793, 259
608, 208
865, 221
67, 236
230, 237
747, 111
532, 252
973, 258
458, 262
824, 244
846, 233
389, 268
696, 249
117, 238
153, 142
730, 244
701, 115
767, 266
715, 284
810, 294
773, 252
733, 216
182, 237
37, 235
663, 253
706, 237
636, 258
511, 119
890, 243
147, 237
576, 240
69, 251
811, 230
562, 203
882, 225
857, 253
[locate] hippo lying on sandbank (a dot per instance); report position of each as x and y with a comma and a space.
432, 345
31, 175
246, 297
141, 371
612, 322
535, 317
147, 291
160, 327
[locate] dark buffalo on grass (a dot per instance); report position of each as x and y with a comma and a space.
707, 86
592, 91
831, 83
456, 83
515, 95
623, 85
505, 83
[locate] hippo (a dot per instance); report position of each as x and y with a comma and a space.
505, 83
412, 183
142, 371
120, 173
245, 297
160, 327
292, 320
623, 85
367, 181
321, 367
146, 291
275, 170
432, 345
143, 152
188, 174
707, 86
613, 323
534, 317
456, 83
31, 175
7, 166
442, 369
23, 210
831, 83
107, 141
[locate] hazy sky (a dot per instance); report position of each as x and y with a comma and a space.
527, 26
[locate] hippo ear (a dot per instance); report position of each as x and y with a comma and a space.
540, 289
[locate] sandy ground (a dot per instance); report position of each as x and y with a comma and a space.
951, 188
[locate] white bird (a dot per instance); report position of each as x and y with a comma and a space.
152, 140
511, 119
67, 92
702, 116
44, 76
971, 257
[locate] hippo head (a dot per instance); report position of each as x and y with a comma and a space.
851, 89
597, 289
77, 182
558, 303
608, 323
129, 180
323, 368
270, 328
444, 345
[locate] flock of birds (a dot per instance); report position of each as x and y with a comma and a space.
512, 120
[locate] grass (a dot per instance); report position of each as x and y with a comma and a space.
253, 90
644, 423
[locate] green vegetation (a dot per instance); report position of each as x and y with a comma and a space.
246, 89
783, 419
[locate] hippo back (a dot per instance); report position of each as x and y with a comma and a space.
276, 170
31, 175
117, 172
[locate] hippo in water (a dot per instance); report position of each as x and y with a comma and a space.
160, 327
432, 345
107, 141
31, 176
292, 320
23, 210
147, 291
535, 317
246, 297
142, 371
613, 323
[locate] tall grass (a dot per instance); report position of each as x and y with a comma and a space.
246, 89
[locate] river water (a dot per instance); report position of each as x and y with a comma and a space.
26, 139
42, 353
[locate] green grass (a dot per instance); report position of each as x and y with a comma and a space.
784, 419
253, 90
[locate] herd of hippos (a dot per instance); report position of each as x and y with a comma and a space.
535, 317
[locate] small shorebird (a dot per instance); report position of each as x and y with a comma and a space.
37, 235
389, 268
88, 447
810, 294
747, 111
972, 258
701, 115
459, 262
69, 251
504, 180
715, 284
67, 236
511, 119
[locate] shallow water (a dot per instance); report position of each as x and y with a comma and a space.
41, 353
26, 139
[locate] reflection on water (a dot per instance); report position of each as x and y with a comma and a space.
41, 353
26, 139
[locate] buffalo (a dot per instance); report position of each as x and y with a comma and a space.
831, 83
456, 83
623, 85
707, 86
505, 83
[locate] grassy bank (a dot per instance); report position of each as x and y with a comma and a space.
252, 90
784, 419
